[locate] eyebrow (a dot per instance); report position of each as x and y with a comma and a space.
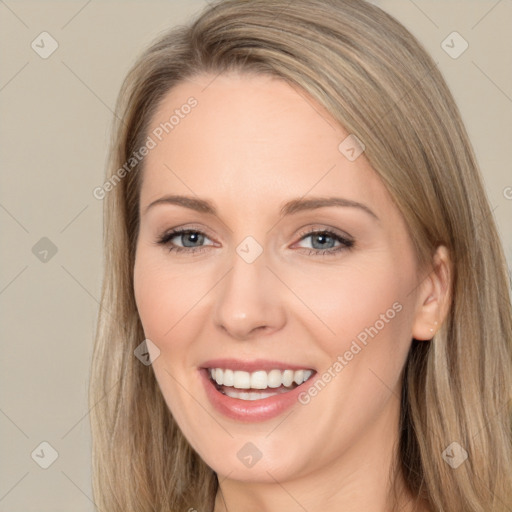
289, 208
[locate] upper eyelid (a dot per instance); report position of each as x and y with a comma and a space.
322, 229
303, 233
315, 227
184, 230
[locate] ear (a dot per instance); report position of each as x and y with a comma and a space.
434, 297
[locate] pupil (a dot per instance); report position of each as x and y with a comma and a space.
322, 237
193, 235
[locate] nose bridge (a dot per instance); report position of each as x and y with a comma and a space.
249, 296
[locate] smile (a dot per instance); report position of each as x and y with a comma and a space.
262, 384
253, 391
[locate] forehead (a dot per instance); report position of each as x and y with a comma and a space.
253, 136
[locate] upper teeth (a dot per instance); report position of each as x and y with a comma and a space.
259, 379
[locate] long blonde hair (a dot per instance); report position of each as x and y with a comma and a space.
376, 79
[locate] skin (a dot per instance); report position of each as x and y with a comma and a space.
251, 144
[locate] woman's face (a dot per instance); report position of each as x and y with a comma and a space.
269, 284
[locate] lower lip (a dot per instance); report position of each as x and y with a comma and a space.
249, 410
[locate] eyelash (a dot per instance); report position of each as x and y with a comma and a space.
346, 243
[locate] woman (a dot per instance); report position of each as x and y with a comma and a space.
367, 370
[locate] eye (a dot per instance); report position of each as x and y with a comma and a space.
188, 236
322, 242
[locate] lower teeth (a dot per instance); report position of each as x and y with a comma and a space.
251, 395
244, 395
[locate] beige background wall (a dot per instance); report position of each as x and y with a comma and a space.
55, 120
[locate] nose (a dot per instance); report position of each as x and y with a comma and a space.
249, 302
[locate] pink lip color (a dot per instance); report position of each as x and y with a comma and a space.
249, 410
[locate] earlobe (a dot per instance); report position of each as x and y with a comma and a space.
434, 297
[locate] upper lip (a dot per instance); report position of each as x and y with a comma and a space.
253, 365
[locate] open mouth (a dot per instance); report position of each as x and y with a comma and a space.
257, 385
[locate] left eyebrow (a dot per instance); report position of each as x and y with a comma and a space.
297, 205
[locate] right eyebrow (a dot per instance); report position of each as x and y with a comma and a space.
199, 205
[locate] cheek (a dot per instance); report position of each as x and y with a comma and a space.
164, 302
368, 308
164, 298
365, 326
346, 300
